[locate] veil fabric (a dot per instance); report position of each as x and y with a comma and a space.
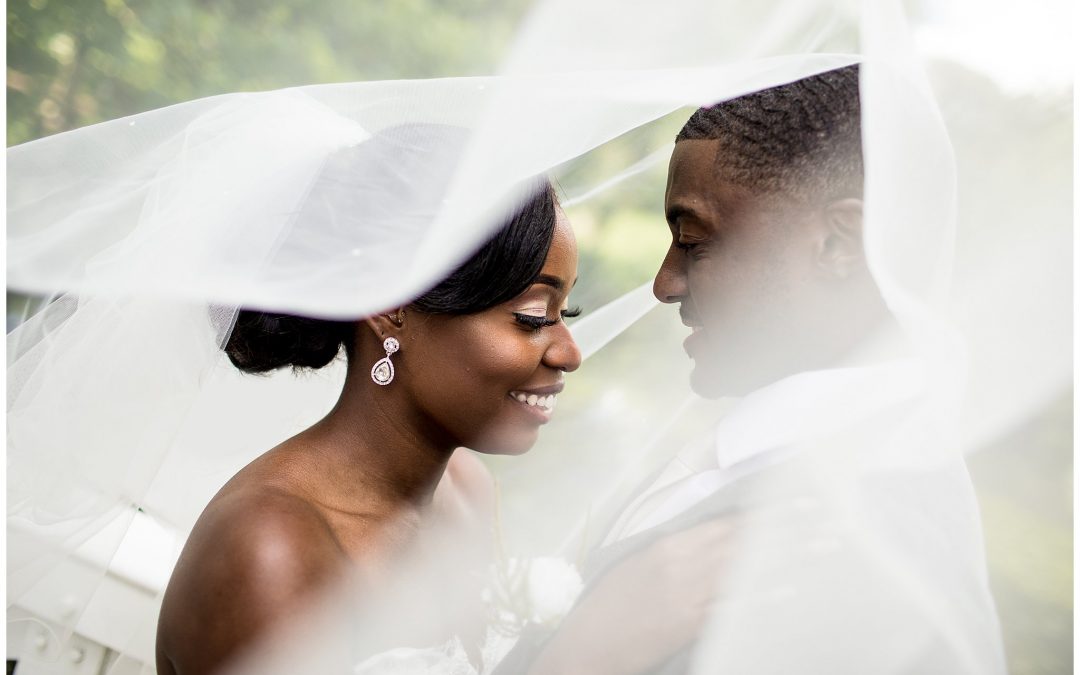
124, 417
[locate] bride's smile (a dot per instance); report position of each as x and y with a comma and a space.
543, 398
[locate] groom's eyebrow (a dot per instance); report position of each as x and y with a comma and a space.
676, 211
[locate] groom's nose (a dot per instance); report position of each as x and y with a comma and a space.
670, 283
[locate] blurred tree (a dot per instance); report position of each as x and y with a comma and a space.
75, 63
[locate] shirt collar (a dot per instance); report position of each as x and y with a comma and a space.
812, 405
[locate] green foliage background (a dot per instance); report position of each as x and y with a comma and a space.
72, 63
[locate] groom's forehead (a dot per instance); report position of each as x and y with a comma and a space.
693, 166
711, 165
697, 186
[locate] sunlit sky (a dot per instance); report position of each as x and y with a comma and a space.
1025, 46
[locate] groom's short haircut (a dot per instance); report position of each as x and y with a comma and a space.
802, 139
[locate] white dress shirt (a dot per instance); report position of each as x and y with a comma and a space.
764, 429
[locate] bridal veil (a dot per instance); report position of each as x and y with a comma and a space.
149, 232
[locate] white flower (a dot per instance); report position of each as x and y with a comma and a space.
552, 587
533, 590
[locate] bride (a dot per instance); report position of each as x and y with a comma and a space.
477, 362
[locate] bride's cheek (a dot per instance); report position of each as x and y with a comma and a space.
504, 355
514, 360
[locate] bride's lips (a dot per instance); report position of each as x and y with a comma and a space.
538, 402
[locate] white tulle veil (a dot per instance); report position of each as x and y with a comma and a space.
124, 417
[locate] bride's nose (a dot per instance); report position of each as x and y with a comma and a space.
562, 353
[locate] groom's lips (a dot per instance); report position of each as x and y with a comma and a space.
689, 317
693, 339
694, 324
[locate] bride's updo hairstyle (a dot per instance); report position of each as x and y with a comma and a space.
504, 267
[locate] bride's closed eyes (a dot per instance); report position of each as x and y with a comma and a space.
548, 290
540, 321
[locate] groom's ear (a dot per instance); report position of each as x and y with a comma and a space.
841, 248
387, 324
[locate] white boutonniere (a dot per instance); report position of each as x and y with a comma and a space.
522, 591
537, 591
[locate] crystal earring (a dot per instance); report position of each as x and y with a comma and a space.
383, 370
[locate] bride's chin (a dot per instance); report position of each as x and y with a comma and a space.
515, 441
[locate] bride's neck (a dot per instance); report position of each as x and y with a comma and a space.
381, 444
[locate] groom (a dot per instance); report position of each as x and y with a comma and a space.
767, 266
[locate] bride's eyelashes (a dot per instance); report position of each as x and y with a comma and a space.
540, 322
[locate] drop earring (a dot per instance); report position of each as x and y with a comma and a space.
382, 373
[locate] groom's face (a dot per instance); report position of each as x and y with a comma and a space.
742, 267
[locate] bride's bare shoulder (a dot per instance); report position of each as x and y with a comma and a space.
267, 526
255, 557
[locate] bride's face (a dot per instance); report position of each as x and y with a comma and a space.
490, 380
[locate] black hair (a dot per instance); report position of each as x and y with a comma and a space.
504, 267
264, 341
802, 138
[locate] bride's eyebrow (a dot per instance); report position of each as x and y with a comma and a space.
548, 280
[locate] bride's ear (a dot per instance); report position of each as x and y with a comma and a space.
841, 250
387, 324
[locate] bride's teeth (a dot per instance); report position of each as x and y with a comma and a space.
545, 402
